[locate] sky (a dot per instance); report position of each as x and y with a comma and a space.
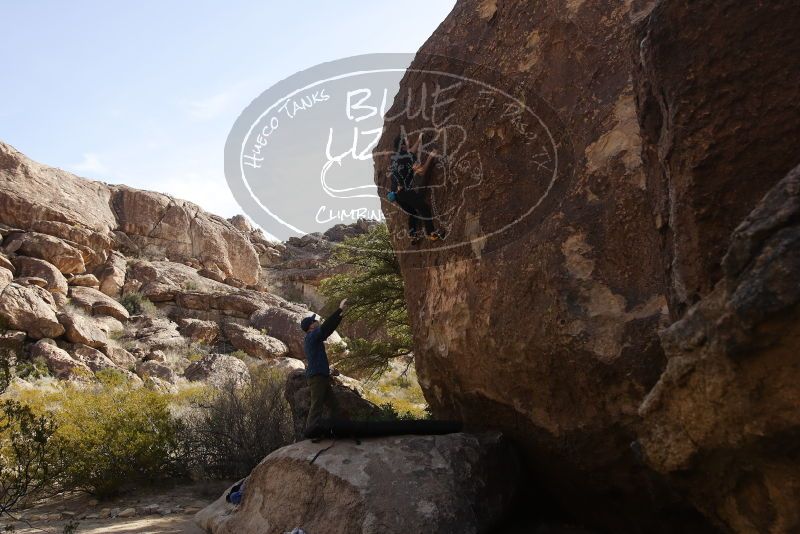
145, 93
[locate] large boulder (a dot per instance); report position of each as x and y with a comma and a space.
452, 483
94, 216
82, 329
31, 309
97, 303
586, 208
92, 358
85, 280
31, 192
6, 276
284, 324
161, 281
164, 226
199, 331
65, 257
121, 357
156, 370
59, 362
218, 370
721, 418
157, 333
254, 343
26, 266
112, 275
352, 405
97, 242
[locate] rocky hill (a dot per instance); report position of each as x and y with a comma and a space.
635, 330
72, 249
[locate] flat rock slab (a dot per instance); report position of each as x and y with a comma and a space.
452, 483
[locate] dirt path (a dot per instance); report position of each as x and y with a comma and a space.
164, 511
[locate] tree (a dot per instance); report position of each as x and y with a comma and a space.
373, 285
31, 464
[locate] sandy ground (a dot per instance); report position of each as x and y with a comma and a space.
157, 511
149, 525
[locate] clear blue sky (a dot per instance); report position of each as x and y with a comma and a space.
144, 93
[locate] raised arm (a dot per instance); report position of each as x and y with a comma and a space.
431, 157
329, 326
415, 149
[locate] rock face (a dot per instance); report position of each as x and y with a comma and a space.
284, 324
219, 370
585, 216
254, 343
57, 252
85, 215
31, 309
199, 331
80, 329
452, 483
59, 361
25, 266
93, 301
737, 351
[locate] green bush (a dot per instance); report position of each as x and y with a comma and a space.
115, 436
112, 377
32, 369
30, 461
138, 304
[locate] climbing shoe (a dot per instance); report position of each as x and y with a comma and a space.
436, 236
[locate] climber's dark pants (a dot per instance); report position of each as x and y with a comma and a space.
321, 395
414, 204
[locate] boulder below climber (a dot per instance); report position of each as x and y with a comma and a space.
351, 403
452, 483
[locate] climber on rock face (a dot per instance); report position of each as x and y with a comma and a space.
317, 367
407, 170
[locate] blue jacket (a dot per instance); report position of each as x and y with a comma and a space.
314, 344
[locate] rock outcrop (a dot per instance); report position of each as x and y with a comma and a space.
72, 217
588, 205
254, 343
59, 362
26, 266
294, 269
65, 273
723, 417
31, 309
219, 370
452, 483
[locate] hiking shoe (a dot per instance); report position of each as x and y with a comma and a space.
416, 240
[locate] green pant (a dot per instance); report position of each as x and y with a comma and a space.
321, 395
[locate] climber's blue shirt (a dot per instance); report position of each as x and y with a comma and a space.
314, 344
